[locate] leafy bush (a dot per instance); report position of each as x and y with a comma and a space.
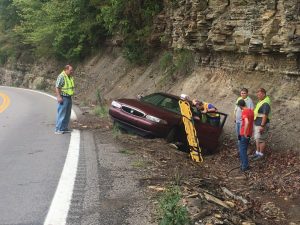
171, 211
184, 61
180, 62
166, 60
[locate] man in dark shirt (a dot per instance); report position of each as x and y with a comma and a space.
262, 115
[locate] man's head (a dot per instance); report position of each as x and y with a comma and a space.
241, 103
244, 93
68, 70
185, 97
261, 93
199, 105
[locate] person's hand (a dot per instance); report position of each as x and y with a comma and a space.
261, 129
204, 111
59, 99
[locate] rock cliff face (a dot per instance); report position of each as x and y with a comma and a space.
243, 26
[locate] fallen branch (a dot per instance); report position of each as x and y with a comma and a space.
215, 200
236, 197
289, 174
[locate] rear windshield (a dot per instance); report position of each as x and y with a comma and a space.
162, 101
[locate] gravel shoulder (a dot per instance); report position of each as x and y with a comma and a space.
133, 173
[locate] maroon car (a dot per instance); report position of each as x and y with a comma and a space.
158, 115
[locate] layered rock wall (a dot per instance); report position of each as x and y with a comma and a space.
242, 26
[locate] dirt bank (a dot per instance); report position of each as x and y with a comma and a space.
218, 82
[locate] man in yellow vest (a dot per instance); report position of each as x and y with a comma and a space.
64, 89
262, 115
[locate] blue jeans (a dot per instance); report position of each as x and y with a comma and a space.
63, 114
237, 130
243, 146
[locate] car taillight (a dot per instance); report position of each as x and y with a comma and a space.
116, 104
155, 119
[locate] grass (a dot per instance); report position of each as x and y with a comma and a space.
171, 210
101, 111
127, 152
179, 62
139, 164
116, 132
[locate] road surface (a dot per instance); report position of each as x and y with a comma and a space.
32, 157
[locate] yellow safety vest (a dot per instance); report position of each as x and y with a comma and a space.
259, 104
239, 98
210, 114
68, 87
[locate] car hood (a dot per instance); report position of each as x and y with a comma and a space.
148, 108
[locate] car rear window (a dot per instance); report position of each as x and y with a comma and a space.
162, 101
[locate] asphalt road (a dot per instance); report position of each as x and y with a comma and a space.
31, 156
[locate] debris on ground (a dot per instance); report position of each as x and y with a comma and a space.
216, 191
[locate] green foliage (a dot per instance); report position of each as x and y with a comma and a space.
184, 61
116, 130
166, 60
60, 28
132, 20
127, 152
172, 212
180, 62
72, 29
101, 111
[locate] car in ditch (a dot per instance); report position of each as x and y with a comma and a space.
158, 115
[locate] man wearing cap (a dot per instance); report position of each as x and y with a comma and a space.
262, 115
245, 133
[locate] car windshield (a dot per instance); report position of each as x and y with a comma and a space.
162, 101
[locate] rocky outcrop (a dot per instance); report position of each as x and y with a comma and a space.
241, 26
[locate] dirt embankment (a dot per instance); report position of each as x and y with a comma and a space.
219, 82
215, 78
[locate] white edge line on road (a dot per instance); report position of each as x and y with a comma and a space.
58, 211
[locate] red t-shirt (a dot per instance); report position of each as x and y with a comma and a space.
247, 113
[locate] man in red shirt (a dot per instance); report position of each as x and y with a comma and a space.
245, 133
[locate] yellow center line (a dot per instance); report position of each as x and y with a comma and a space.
5, 102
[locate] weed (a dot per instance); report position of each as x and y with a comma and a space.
127, 152
139, 164
99, 97
177, 176
83, 103
116, 131
101, 111
172, 212
166, 60
184, 61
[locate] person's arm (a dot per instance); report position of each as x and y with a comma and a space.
263, 122
234, 113
58, 95
246, 120
59, 84
211, 108
266, 110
